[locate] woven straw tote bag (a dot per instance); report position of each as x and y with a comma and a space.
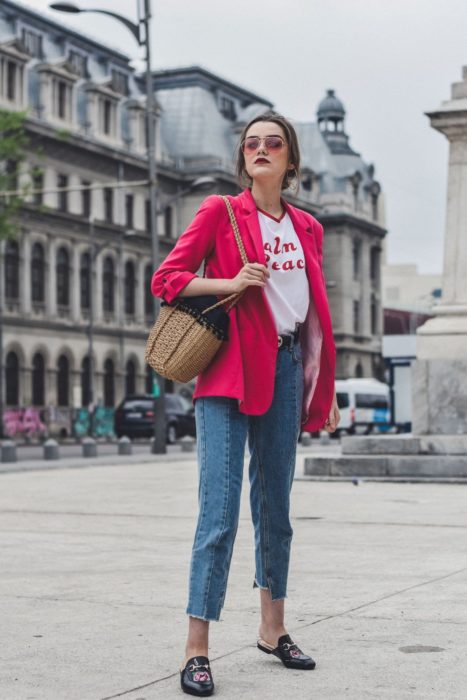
188, 333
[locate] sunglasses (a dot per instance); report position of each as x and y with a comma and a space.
271, 143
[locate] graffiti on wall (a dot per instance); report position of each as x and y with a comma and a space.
24, 422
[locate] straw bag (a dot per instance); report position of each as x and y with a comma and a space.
189, 332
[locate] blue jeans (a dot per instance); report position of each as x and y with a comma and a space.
272, 437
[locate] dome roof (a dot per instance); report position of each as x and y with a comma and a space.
330, 107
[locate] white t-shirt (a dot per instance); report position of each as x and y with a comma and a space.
287, 288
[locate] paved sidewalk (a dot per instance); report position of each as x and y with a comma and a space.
94, 566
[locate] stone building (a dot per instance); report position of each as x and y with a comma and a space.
85, 229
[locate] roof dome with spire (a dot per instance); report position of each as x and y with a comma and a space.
330, 107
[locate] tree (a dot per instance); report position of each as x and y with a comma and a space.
13, 143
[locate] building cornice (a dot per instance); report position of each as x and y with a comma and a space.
354, 221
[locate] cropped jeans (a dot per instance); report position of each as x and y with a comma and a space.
272, 438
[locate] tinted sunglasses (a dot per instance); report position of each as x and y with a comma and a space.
271, 143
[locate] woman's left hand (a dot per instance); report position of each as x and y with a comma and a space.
334, 417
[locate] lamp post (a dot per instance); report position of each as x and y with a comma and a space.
143, 39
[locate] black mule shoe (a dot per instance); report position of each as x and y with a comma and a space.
196, 677
289, 653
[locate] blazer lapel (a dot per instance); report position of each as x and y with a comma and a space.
252, 224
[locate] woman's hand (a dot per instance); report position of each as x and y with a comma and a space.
251, 275
334, 417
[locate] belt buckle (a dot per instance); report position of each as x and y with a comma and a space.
280, 341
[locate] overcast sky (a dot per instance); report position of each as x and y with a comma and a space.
388, 60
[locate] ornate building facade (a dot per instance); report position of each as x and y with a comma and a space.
83, 238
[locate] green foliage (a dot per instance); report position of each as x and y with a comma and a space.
13, 143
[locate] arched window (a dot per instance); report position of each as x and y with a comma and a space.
148, 380
12, 379
109, 383
85, 280
38, 273
108, 285
63, 381
11, 270
130, 378
129, 288
38, 380
356, 248
359, 370
85, 382
148, 298
63, 277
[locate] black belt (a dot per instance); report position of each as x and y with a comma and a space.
288, 339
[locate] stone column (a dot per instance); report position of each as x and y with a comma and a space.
52, 279
75, 285
25, 290
440, 372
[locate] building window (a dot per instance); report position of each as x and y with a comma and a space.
38, 380
359, 370
11, 172
108, 205
108, 285
130, 378
63, 381
85, 280
61, 99
148, 298
227, 108
129, 207
374, 315
11, 80
168, 222
109, 383
119, 82
86, 382
12, 379
38, 186
63, 277
107, 116
37, 273
356, 250
86, 200
11, 270
356, 317
62, 184
32, 43
374, 265
129, 288
78, 63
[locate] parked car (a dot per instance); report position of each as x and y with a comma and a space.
363, 405
134, 417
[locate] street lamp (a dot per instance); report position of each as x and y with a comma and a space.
143, 39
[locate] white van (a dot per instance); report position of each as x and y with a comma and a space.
364, 404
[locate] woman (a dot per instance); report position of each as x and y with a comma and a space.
271, 379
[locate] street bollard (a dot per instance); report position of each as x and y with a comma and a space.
51, 450
89, 446
124, 446
8, 451
324, 438
306, 439
188, 443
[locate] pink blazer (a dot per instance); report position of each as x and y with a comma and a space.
244, 367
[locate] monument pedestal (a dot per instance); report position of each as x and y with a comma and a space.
438, 447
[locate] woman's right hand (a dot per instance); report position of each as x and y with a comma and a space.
251, 275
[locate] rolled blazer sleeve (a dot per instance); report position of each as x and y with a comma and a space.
194, 245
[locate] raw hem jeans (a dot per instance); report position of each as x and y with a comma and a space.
272, 438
